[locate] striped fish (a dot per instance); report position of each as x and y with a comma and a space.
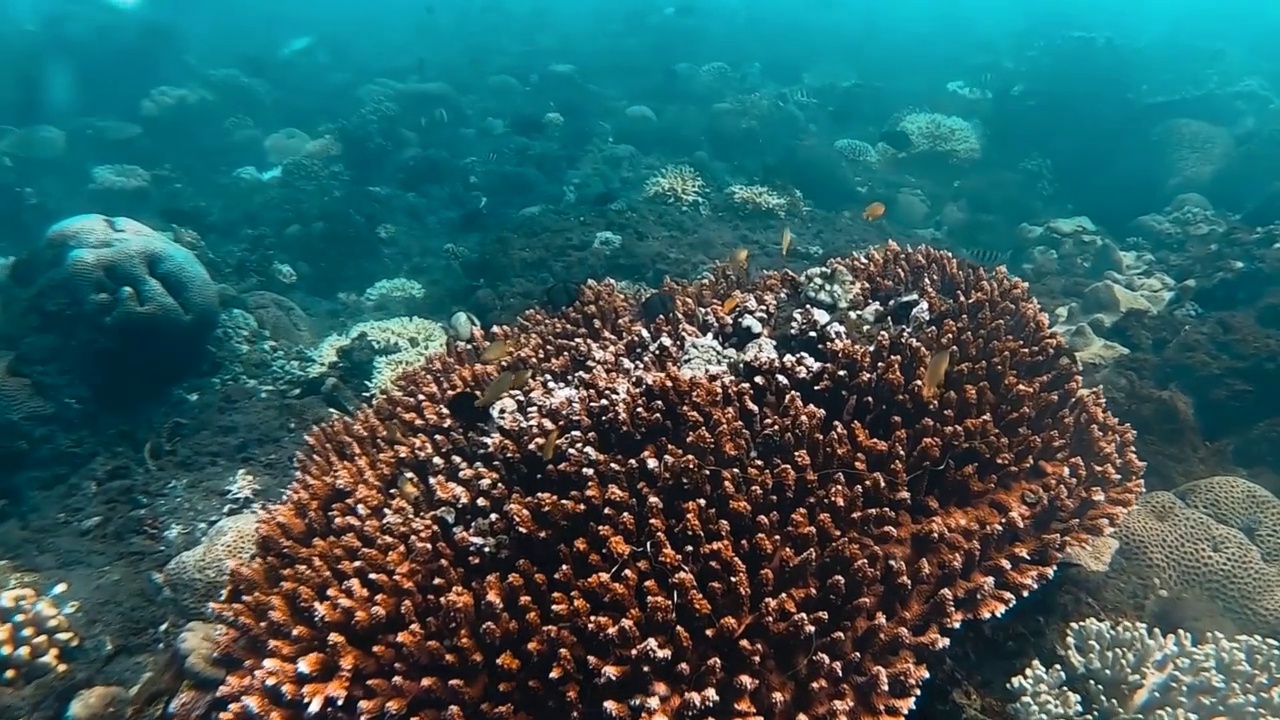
985, 256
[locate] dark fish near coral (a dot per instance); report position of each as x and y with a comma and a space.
496, 389
659, 304
561, 295
897, 139
465, 408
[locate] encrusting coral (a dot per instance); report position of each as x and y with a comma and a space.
789, 535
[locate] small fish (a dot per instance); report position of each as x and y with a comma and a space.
738, 259
549, 444
496, 389
115, 129
873, 212
521, 378
985, 256
393, 434
786, 240
728, 305
296, 46
496, 350
409, 489
936, 373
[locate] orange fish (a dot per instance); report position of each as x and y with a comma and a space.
786, 240
497, 350
728, 305
874, 211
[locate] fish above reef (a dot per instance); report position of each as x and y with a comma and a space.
496, 350
496, 389
874, 211
985, 256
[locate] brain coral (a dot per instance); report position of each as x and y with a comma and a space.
789, 535
130, 276
1216, 538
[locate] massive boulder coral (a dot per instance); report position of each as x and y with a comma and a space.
129, 274
791, 532
1217, 539
133, 300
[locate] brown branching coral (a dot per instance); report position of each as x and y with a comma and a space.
628, 534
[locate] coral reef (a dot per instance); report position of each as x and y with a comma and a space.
584, 528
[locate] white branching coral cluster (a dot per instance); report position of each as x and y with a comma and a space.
678, 185
1130, 671
947, 135
394, 288
758, 198
35, 630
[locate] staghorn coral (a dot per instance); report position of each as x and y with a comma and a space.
791, 536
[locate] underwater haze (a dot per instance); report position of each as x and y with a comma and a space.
674, 360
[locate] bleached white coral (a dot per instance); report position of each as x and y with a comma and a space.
394, 288
946, 134
1131, 671
120, 178
857, 151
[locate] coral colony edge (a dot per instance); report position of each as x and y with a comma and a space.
715, 501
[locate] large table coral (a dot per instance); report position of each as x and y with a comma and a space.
721, 502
